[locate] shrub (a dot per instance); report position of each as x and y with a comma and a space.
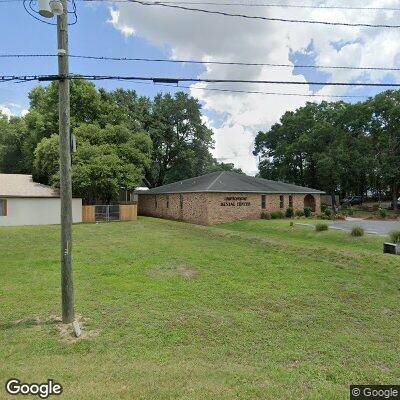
321, 227
291, 223
277, 215
265, 215
307, 212
382, 213
324, 217
289, 213
341, 217
324, 207
350, 211
376, 207
395, 237
357, 231
328, 212
299, 213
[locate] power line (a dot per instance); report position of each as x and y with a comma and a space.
239, 4
266, 5
264, 93
258, 17
166, 60
30, 78
170, 80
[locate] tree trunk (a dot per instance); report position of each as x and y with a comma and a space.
334, 206
394, 196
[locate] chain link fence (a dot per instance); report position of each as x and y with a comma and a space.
106, 212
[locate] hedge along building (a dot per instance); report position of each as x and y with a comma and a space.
224, 197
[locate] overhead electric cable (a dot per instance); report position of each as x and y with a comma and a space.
263, 18
248, 4
173, 80
166, 60
266, 5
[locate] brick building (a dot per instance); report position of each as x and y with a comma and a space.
224, 197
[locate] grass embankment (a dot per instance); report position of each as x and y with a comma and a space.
252, 310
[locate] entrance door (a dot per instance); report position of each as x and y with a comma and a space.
309, 201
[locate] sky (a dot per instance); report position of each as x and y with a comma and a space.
132, 30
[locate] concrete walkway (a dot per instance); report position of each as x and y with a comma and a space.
373, 227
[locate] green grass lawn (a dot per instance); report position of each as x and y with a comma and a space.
250, 310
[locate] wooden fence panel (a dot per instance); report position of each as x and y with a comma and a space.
88, 214
127, 212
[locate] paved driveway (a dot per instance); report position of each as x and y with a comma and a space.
375, 227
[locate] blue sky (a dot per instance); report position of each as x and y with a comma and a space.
92, 35
154, 32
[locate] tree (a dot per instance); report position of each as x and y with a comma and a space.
385, 135
107, 159
325, 146
12, 149
181, 141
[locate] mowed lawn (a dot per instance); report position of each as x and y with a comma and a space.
250, 310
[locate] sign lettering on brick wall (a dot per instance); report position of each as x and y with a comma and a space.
235, 202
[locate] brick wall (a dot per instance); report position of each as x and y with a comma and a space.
215, 208
194, 207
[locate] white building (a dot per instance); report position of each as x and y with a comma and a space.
24, 202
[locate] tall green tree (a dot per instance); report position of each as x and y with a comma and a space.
385, 134
107, 159
181, 141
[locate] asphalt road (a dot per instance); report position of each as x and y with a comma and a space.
374, 227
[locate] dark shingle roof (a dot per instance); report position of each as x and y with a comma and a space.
226, 181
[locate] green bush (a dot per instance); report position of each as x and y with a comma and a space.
265, 215
291, 223
289, 213
324, 217
299, 213
277, 215
321, 227
350, 211
328, 212
382, 213
357, 231
324, 207
307, 211
395, 237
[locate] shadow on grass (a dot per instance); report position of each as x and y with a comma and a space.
29, 323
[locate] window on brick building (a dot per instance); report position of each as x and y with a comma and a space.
181, 201
167, 201
281, 201
290, 201
3, 207
155, 201
263, 201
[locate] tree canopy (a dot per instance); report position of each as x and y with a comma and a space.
337, 147
122, 138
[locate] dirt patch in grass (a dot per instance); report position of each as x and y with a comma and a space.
172, 269
67, 333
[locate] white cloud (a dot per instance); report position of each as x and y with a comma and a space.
210, 37
5, 111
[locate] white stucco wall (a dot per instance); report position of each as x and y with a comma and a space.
37, 211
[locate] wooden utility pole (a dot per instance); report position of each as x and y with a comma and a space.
67, 287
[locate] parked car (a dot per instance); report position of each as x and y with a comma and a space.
352, 200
